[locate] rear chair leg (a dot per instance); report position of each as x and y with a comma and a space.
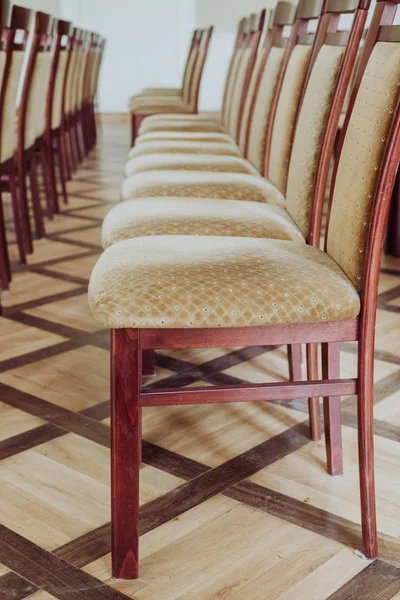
313, 403
332, 410
126, 381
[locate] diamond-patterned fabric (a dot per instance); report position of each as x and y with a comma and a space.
190, 162
197, 282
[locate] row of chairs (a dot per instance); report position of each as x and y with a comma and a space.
49, 74
217, 242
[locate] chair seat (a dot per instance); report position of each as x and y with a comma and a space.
194, 184
190, 162
204, 216
211, 137
147, 106
196, 282
182, 126
196, 148
162, 91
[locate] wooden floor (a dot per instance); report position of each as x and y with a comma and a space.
236, 501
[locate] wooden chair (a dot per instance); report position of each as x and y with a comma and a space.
54, 111
14, 38
137, 285
32, 120
68, 123
142, 107
87, 117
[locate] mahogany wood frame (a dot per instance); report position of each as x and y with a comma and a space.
283, 17
201, 44
128, 346
53, 142
41, 40
19, 20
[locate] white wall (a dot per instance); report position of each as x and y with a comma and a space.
147, 42
49, 6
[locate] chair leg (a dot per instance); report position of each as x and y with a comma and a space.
295, 360
126, 370
313, 403
366, 438
64, 153
23, 197
5, 268
21, 233
332, 410
35, 193
62, 165
52, 177
133, 129
50, 200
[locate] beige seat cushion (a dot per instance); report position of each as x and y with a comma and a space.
204, 216
151, 120
223, 186
189, 162
188, 136
162, 92
182, 126
196, 282
145, 106
186, 148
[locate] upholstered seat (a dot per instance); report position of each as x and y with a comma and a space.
162, 91
146, 106
205, 216
196, 282
225, 186
174, 137
184, 147
190, 162
182, 125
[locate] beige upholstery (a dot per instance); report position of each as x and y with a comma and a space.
225, 186
70, 81
193, 282
35, 122
229, 87
309, 135
7, 131
180, 148
237, 95
162, 91
262, 108
190, 162
205, 216
366, 138
59, 89
163, 105
281, 143
185, 126
191, 65
190, 136
260, 61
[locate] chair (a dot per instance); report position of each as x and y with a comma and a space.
32, 120
331, 56
54, 110
68, 133
143, 107
171, 292
12, 57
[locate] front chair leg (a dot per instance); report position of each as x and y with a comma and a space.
366, 439
332, 410
313, 403
126, 381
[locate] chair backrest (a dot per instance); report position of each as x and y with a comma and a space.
191, 64
199, 68
244, 74
186, 73
5, 13
32, 114
97, 68
84, 57
367, 159
90, 66
333, 62
288, 91
58, 74
267, 77
72, 70
240, 43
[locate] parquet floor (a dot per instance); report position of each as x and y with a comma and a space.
236, 501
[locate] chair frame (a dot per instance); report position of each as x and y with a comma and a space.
128, 346
19, 20
53, 141
27, 157
203, 39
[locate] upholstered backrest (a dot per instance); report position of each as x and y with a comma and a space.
59, 89
237, 92
189, 74
309, 135
361, 159
35, 121
8, 125
230, 84
70, 81
81, 79
286, 112
76, 81
259, 65
262, 108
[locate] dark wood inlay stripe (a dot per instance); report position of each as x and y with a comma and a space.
49, 572
378, 581
15, 587
37, 355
